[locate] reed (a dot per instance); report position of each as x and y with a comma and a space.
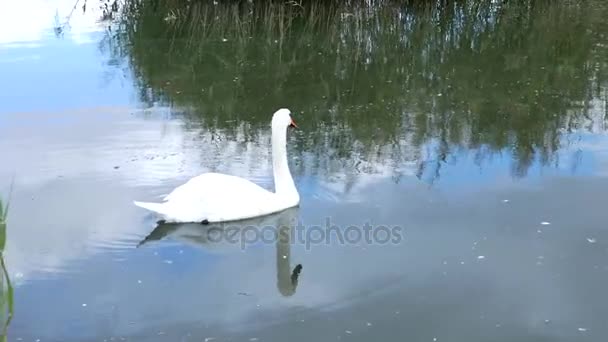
6, 287
3, 217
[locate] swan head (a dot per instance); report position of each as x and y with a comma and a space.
282, 119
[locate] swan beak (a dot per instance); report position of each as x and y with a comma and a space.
293, 124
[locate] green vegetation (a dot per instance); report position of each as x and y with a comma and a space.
6, 288
401, 83
3, 217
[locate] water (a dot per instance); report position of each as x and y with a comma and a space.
473, 135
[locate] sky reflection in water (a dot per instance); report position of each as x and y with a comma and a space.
82, 137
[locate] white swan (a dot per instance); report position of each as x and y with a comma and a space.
216, 197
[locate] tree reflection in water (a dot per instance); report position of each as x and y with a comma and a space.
405, 86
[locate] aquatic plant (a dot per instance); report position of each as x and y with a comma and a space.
3, 217
6, 288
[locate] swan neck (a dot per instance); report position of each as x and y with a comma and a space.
283, 182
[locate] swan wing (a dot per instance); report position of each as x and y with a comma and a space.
217, 197
213, 183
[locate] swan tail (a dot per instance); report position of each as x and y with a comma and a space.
155, 207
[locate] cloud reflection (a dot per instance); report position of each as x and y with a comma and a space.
28, 23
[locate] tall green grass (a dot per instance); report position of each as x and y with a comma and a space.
6, 288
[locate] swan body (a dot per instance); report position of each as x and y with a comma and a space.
215, 197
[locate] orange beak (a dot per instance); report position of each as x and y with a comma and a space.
293, 124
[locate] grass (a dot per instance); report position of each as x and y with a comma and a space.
3, 217
6, 288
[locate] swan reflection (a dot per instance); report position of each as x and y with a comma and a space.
226, 237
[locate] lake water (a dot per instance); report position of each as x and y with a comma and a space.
452, 163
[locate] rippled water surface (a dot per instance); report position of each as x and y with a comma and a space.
465, 146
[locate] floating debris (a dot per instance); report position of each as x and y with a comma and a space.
545, 223
368, 324
505, 201
481, 257
348, 331
253, 339
582, 329
591, 240
168, 261
139, 281
84, 304
207, 339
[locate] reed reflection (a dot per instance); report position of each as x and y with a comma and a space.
409, 86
